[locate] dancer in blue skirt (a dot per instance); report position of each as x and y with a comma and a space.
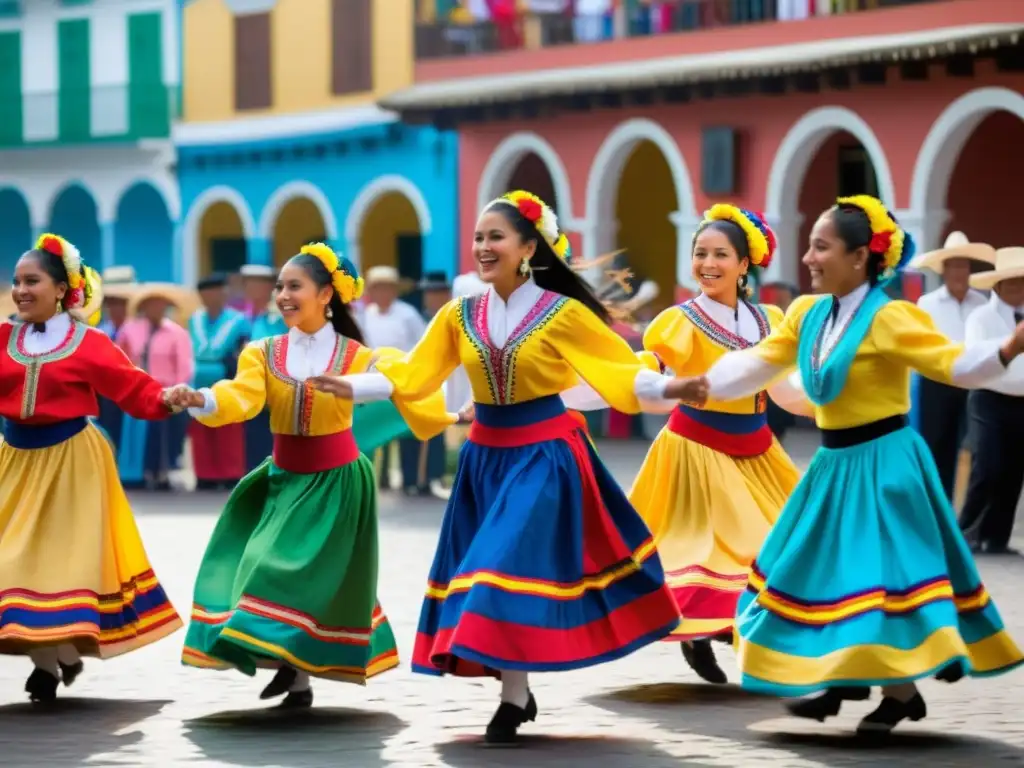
865, 580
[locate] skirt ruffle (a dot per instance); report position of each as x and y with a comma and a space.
866, 580
290, 576
710, 514
542, 563
72, 565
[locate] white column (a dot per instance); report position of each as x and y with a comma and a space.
108, 64
686, 225
39, 76
107, 254
786, 265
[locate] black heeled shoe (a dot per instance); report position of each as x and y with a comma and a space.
280, 685
890, 713
503, 730
951, 673
70, 672
701, 658
297, 700
826, 704
41, 687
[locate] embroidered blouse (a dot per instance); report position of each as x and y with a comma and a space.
539, 343
898, 338
274, 372
55, 374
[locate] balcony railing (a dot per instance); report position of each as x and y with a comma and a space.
113, 113
449, 38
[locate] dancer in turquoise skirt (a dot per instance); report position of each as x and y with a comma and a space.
865, 580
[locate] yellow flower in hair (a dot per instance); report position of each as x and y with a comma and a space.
760, 246
887, 237
345, 277
540, 214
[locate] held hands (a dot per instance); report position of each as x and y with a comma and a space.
182, 396
467, 414
333, 385
693, 389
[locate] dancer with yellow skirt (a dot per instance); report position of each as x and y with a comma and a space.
865, 580
74, 577
289, 578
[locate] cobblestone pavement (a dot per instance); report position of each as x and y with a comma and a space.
646, 710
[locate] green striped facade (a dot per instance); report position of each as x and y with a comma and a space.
78, 110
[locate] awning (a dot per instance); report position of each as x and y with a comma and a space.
741, 64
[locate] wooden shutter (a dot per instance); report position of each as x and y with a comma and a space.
252, 62
352, 46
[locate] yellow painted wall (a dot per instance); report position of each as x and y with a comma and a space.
392, 215
220, 221
301, 57
299, 223
645, 199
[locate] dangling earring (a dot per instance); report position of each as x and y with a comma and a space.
524, 267
329, 313
60, 307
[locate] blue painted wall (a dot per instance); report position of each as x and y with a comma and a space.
340, 164
144, 234
74, 218
15, 231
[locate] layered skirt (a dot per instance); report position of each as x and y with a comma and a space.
866, 580
290, 573
710, 489
542, 562
72, 565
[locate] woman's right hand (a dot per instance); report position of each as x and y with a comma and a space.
182, 396
689, 389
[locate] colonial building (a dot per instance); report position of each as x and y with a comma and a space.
631, 137
281, 141
88, 91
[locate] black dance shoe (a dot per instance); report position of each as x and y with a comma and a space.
283, 680
41, 687
297, 700
826, 704
70, 672
503, 730
701, 658
951, 673
890, 713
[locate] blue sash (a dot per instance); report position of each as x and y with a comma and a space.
823, 381
34, 436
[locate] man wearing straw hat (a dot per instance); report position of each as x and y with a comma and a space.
119, 285
996, 414
940, 410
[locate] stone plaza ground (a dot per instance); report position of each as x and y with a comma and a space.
647, 710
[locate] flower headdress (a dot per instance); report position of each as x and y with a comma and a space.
761, 242
887, 236
344, 276
83, 282
539, 213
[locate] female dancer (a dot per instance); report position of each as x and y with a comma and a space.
75, 578
865, 580
715, 479
542, 564
289, 578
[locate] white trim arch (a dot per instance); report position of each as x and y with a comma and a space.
941, 150
505, 159
58, 191
603, 188
793, 158
365, 201
295, 190
194, 217
166, 190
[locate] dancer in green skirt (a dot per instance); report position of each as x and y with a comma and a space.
289, 578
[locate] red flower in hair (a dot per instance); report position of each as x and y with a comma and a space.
52, 245
531, 210
880, 242
74, 297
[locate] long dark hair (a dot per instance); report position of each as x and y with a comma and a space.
549, 271
341, 318
53, 266
738, 240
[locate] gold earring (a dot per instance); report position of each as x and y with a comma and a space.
524, 267
60, 306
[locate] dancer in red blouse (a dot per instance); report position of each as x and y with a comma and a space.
74, 578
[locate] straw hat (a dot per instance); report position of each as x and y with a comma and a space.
119, 282
262, 271
182, 299
1009, 264
957, 246
385, 275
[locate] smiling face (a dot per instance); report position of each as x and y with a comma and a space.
34, 290
834, 268
717, 266
498, 249
300, 300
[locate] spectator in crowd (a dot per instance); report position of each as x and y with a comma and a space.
119, 285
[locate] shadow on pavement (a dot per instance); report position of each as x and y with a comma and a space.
71, 731
313, 738
753, 721
592, 751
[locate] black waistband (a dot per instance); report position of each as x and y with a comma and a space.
847, 438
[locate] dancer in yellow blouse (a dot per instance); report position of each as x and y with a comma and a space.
865, 580
715, 479
542, 564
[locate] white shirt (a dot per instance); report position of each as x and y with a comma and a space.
995, 321
40, 343
308, 355
747, 327
503, 318
401, 326
950, 315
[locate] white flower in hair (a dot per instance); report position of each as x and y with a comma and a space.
548, 224
72, 258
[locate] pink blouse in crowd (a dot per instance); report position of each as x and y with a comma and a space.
169, 357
